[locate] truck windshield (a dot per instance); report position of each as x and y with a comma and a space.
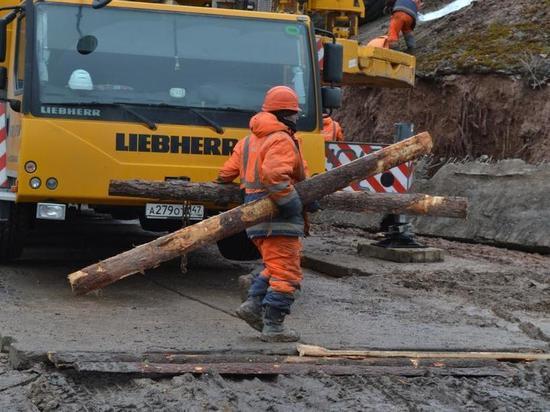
160, 61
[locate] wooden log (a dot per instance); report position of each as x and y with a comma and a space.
246, 368
398, 203
312, 350
218, 194
152, 254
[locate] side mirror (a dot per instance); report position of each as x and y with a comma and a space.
3, 78
333, 63
3, 39
331, 97
8, 18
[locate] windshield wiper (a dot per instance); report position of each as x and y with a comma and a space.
149, 123
193, 109
217, 128
233, 109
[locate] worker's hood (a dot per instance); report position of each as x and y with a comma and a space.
327, 121
264, 123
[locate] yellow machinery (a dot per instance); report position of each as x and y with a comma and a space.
363, 65
94, 90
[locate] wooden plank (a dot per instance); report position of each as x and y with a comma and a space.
152, 254
311, 350
68, 359
142, 368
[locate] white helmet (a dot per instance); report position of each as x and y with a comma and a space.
81, 80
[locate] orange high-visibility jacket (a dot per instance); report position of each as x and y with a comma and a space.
332, 131
269, 162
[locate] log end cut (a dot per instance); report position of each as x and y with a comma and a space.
75, 277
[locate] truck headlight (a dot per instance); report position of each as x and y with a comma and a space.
50, 211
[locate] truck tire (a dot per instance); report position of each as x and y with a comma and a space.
238, 247
15, 222
374, 9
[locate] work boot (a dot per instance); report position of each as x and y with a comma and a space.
274, 329
245, 281
251, 312
410, 40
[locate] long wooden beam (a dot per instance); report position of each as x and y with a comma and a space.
227, 194
152, 254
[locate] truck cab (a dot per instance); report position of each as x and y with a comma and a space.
138, 91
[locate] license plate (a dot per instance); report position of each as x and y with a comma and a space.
170, 211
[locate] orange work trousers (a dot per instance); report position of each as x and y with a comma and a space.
400, 22
281, 256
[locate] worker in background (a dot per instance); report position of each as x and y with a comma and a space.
403, 20
332, 131
269, 162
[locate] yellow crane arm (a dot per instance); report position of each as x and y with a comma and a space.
375, 66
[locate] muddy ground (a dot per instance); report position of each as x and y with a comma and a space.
49, 390
481, 297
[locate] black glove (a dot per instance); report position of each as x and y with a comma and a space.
292, 208
313, 207
219, 181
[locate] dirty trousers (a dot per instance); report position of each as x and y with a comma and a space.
282, 275
399, 22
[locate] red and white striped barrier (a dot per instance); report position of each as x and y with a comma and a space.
395, 180
3, 154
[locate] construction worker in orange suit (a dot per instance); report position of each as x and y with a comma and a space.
269, 162
403, 20
332, 131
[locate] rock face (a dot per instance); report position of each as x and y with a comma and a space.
509, 203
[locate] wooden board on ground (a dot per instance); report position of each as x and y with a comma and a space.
166, 363
69, 359
311, 350
244, 368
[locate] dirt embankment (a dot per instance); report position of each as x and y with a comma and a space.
482, 85
466, 114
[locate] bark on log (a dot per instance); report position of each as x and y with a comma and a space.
219, 194
403, 203
398, 203
183, 241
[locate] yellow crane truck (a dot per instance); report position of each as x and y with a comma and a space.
94, 90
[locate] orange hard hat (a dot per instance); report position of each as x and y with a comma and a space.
280, 98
